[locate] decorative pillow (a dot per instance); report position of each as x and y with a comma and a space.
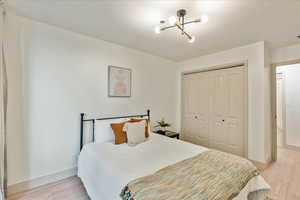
135, 132
120, 134
103, 131
147, 127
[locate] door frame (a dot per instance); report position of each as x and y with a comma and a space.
283, 111
274, 106
246, 90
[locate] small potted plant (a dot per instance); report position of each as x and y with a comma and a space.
162, 124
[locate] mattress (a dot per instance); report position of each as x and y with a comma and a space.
105, 168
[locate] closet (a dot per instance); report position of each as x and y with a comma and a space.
214, 108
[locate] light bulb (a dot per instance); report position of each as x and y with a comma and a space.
192, 39
157, 29
204, 19
172, 20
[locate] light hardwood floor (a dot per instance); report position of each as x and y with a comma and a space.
283, 176
67, 189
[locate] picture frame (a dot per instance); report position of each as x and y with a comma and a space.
119, 81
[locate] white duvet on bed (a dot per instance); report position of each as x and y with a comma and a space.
105, 168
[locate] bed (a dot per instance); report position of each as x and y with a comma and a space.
105, 168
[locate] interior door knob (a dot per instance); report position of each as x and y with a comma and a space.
223, 120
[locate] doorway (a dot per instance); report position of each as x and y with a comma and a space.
286, 107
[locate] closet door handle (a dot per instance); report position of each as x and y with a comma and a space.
223, 120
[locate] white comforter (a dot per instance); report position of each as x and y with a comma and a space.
106, 168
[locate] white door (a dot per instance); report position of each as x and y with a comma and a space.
213, 109
227, 110
195, 126
291, 102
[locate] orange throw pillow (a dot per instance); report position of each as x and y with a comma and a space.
146, 127
120, 135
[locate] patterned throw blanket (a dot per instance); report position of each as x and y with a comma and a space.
211, 175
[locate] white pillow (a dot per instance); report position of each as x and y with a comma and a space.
135, 132
103, 130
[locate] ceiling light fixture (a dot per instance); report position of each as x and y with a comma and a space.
179, 22
172, 20
157, 29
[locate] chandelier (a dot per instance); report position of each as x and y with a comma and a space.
179, 22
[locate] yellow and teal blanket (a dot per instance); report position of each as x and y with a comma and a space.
211, 175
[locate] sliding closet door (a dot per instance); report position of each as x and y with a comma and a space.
213, 109
227, 110
195, 118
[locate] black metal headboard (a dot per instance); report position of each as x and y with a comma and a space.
82, 120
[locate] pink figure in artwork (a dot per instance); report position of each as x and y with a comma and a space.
120, 88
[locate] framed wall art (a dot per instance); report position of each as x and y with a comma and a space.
119, 82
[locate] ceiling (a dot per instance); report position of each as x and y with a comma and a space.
131, 23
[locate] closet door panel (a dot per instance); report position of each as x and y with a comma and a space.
201, 115
236, 92
220, 92
218, 109
227, 110
186, 114
235, 117
195, 122
189, 107
234, 141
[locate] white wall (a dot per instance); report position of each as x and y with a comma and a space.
267, 104
16, 137
255, 56
284, 54
63, 74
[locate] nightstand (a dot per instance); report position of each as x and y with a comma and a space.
170, 134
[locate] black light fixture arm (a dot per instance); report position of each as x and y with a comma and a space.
182, 24
189, 22
183, 31
167, 27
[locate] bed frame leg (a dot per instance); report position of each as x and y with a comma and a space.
81, 130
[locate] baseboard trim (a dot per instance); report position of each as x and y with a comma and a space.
260, 165
43, 180
291, 147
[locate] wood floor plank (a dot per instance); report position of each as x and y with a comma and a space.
294, 185
67, 189
283, 176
